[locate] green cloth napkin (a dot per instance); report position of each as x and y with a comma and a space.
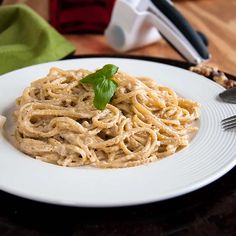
27, 39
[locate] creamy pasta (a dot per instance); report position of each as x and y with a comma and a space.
2, 121
57, 122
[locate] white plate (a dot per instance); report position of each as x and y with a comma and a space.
210, 155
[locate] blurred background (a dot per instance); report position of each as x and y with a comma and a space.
72, 16
83, 22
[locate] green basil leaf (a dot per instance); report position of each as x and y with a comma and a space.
106, 72
109, 70
92, 79
104, 92
103, 85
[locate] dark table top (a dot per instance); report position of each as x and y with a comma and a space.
207, 211
210, 210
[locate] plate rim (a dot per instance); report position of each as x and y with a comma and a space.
198, 185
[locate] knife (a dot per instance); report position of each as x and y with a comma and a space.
229, 95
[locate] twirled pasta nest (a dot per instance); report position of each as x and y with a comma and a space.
57, 122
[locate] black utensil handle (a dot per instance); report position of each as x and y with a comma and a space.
183, 26
203, 37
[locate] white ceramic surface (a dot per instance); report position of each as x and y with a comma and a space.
211, 153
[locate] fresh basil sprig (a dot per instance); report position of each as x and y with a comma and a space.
103, 84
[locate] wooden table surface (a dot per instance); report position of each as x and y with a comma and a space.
215, 18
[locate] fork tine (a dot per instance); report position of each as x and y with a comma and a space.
228, 119
231, 126
229, 123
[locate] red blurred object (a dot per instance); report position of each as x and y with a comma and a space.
80, 16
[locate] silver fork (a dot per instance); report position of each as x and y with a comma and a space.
229, 123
